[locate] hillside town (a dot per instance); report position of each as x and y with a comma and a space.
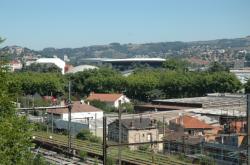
124, 82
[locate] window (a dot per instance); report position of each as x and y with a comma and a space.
149, 137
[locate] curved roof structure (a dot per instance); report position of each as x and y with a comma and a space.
56, 61
126, 59
81, 68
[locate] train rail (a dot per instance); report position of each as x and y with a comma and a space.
59, 143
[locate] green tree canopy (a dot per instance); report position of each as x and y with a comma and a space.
176, 64
15, 131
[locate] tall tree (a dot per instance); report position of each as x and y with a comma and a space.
15, 131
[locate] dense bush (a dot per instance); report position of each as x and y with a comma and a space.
85, 134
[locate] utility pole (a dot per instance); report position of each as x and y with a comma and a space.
164, 126
95, 125
104, 145
69, 120
52, 115
52, 122
183, 143
248, 129
120, 136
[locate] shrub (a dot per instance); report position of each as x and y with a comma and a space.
95, 139
144, 147
83, 155
85, 134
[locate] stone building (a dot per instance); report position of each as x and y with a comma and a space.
133, 131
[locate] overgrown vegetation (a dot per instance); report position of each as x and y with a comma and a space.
15, 131
85, 134
83, 155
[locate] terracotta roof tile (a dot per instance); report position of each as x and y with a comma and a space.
77, 107
191, 122
104, 97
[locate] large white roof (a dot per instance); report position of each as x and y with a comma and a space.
81, 68
126, 59
57, 61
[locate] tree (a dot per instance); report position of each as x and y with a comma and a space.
217, 67
15, 131
102, 105
176, 64
43, 68
247, 87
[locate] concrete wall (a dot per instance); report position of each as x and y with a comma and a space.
122, 99
147, 135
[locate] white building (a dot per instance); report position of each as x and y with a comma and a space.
80, 112
56, 61
15, 65
111, 99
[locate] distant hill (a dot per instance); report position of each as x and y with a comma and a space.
117, 50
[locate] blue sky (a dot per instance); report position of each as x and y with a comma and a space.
37, 24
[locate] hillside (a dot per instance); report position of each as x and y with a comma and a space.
202, 50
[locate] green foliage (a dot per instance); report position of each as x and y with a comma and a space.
96, 161
102, 105
43, 68
39, 160
176, 64
145, 85
85, 134
40, 127
110, 161
206, 160
83, 155
44, 84
217, 67
144, 147
127, 107
95, 139
247, 86
15, 131
102, 80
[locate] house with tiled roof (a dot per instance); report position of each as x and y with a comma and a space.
80, 112
112, 99
189, 125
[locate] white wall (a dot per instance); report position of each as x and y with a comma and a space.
83, 115
123, 99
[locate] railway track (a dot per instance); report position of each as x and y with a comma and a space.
60, 142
